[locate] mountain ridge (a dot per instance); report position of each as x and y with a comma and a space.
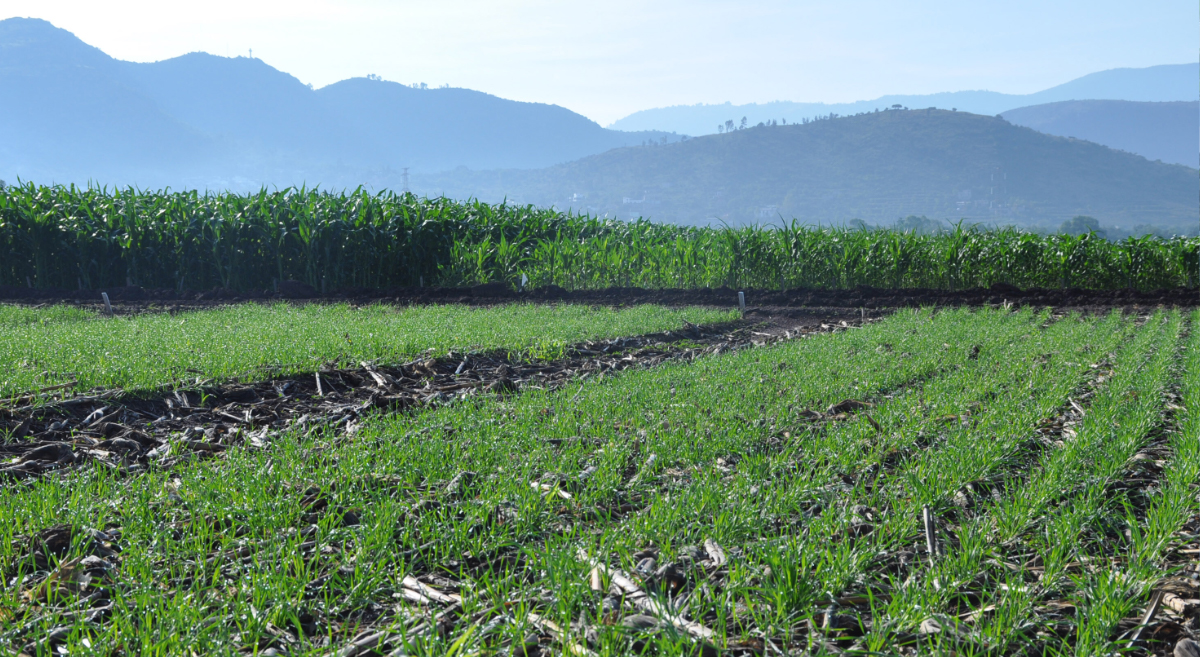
200, 120
1167, 131
1171, 82
876, 167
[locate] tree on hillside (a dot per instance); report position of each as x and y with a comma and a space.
729, 125
1140, 230
921, 225
1081, 225
743, 123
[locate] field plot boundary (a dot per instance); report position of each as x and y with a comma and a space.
137, 300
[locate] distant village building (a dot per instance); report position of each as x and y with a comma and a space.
768, 212
964, 200
646, 199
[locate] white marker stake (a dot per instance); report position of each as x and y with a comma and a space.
524, 281
28, 282
107, 305
742, 302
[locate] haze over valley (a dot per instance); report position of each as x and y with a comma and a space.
205, 121
874, 168
1155, 84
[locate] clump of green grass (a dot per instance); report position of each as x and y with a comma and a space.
45, 347
20, 317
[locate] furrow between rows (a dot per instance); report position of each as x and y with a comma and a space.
1154, 526
891, 570
999, 602
720, 499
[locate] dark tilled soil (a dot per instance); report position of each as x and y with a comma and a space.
128, 432
136, 299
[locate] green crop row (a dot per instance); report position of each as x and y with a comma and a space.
52, 346
223, 556
946, 446
66, 237
1018, 550
1108, 595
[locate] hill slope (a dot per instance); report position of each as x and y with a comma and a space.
876, 167
1157, 131
73, 114
1171, 82
1153, 84
447, 128
68, 106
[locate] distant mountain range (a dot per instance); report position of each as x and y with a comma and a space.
1168, 131
71, 114
1172, 82
875, 167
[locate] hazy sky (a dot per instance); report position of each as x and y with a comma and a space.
608, 59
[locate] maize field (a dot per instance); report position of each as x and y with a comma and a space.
68, 238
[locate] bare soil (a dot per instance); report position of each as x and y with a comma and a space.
135, 299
